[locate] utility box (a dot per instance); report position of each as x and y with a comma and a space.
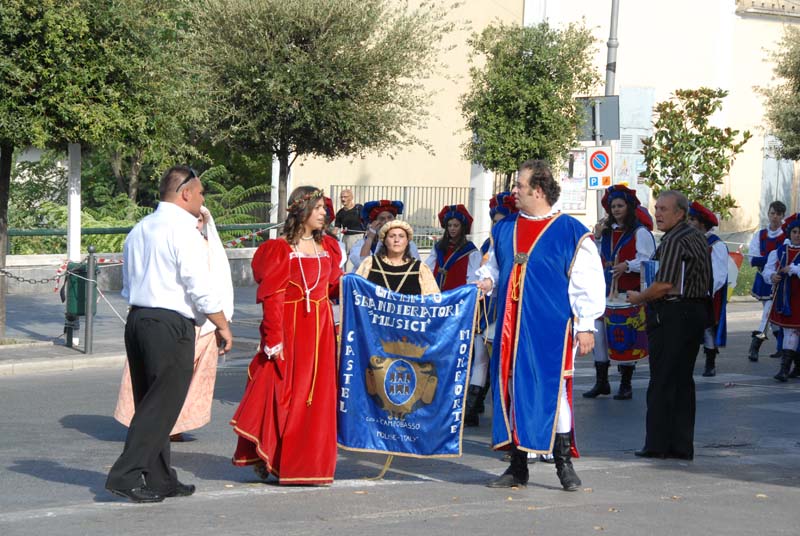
76, 289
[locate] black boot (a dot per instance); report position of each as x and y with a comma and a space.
778, 344
479, 405
625, 388
795, 373
563, 458
601, 385
517, 473
786, 362
757, 340
711, 358
471, 411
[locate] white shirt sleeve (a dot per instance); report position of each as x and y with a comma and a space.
490, 270
126, 291
754, 249
770, 268
430, 260
355, 254
645, 249
719, 264
343, 250
192, 264
414, 251
587, 287
475, 258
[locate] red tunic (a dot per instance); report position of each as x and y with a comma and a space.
789, 321
457, 274
287, 416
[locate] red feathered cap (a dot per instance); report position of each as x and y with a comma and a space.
371, 209
619, 191
458, 212
790, 223
329, 209
644, 217
698, 211
503, 203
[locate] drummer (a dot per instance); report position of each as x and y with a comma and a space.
715, 337
624, 242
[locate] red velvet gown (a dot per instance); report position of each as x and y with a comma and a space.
287, 416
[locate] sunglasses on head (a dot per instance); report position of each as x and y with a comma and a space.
192, 175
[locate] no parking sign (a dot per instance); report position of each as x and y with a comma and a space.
601, 167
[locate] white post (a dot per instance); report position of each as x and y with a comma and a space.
74, 203
481, 181
273, 195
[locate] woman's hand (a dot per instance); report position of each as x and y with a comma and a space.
776, 278
619, 269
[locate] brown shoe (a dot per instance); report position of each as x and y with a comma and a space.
177, 438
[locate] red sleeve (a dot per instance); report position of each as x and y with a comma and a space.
331, 245
271, 272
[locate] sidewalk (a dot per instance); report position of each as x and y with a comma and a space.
39, 321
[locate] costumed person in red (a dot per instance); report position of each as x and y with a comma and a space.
375, 214
715, 337
624, 243
783, 269
500, 206
286, 420
454, 259
548, 278
764, 242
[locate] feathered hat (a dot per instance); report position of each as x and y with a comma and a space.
790, 223
644, 217
619, 191
371, 209
329, 208
458, 212
502, 203
698, 211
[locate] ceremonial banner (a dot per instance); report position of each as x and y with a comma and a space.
403, 368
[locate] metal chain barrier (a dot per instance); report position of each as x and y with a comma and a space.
42, 281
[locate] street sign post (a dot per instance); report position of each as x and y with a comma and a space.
600, 167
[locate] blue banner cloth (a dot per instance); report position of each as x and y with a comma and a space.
403, 369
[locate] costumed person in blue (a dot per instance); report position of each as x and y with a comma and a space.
715, 336
548, 278
764, 242
454, 259
783, 269
624, 243
374, 215
500, 206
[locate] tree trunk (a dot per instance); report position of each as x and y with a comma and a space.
133, 175
6, 155
509, 179
283, 178
116, 169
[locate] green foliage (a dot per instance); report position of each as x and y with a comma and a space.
687, 153
521, 103
317, 77
783, 99
235, 205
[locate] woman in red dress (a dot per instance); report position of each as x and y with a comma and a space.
286, 420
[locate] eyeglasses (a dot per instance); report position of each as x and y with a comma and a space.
192, 175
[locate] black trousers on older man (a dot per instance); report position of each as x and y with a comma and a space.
675, 333
160, 348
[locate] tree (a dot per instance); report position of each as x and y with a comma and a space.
521, 103
687, 153
783, 100
328, 78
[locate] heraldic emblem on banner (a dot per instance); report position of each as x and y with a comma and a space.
403, 368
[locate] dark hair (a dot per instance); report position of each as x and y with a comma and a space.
406, 254
630, 217
459, 241
172, 179
301, 204
542, 177
778, 207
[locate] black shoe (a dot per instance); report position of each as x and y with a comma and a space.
517, 473
507, 480
138, 495
757, 339
711, 358
601, 385
777, 354
786, 362
650, 454
625, 388
181, 490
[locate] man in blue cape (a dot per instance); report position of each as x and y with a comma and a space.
549, 285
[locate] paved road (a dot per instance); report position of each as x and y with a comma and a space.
58, 441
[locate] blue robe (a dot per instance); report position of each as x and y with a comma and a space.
543, 335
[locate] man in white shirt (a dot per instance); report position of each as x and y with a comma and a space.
550, 288
168, 286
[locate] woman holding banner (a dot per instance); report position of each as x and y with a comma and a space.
286, 420
393, 265
624, 243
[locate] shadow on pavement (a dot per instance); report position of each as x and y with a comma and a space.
102, 427
55, 472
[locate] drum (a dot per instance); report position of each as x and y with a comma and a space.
626, 333
648, 272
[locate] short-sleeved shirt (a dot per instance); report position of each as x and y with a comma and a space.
684, 262
350, 219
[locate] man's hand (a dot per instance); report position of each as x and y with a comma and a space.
634, 297
585, 342
224, 339
776, 278
485, 285
619, 269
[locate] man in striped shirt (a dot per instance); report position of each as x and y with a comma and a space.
677, 314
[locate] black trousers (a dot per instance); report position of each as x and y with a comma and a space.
160, 348
675, 333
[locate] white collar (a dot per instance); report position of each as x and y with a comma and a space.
550, 214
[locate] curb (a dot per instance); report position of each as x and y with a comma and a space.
59, 364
